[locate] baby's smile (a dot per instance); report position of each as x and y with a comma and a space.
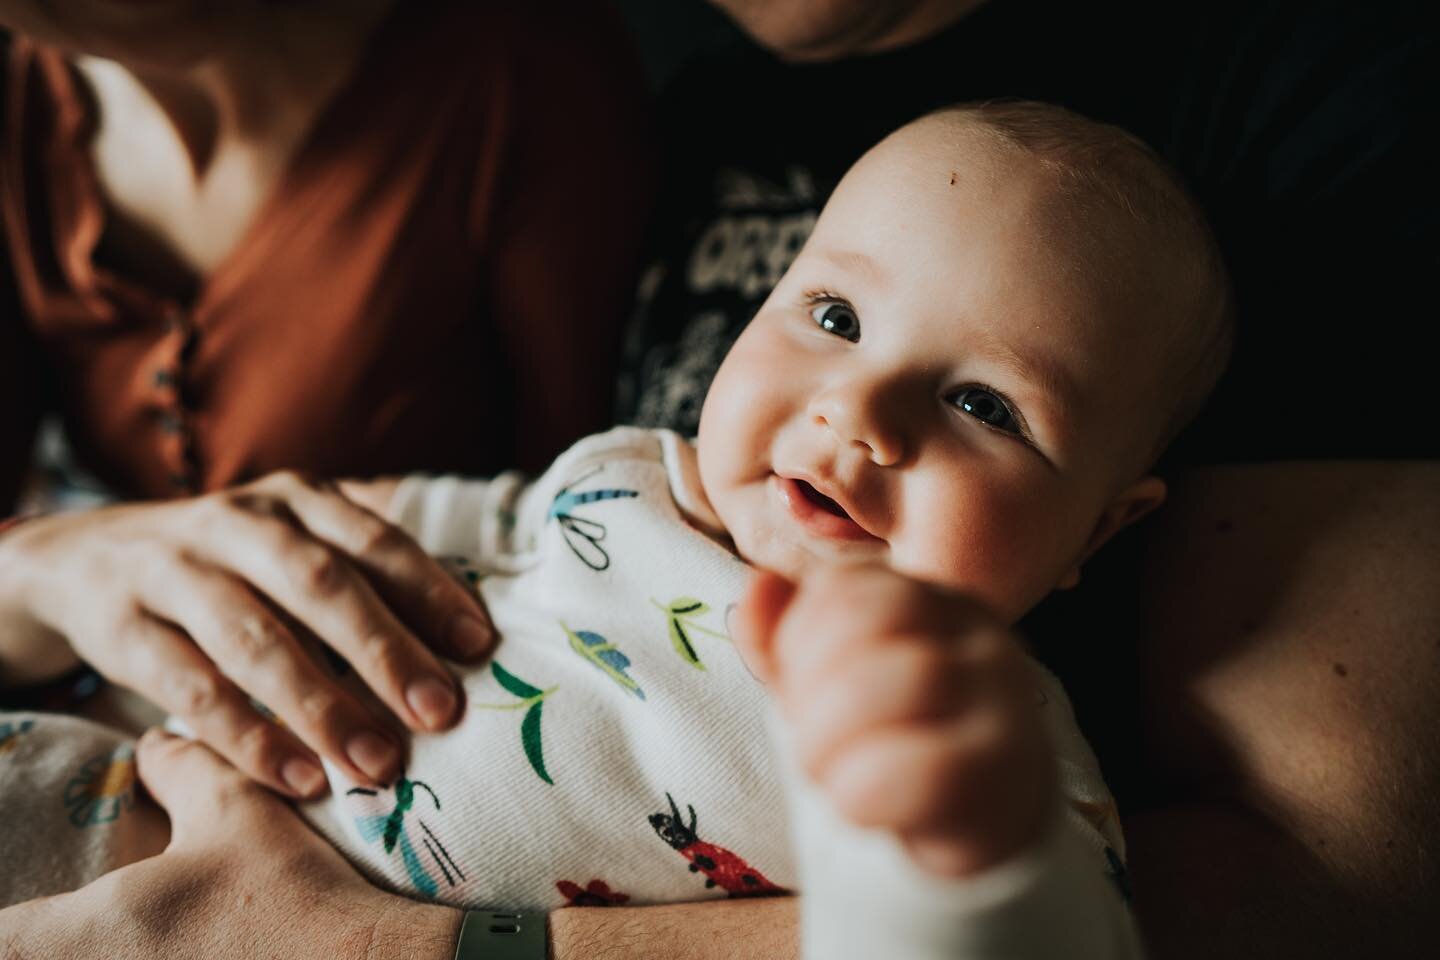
820, 509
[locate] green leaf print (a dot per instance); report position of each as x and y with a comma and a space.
682, 644
530, 738
681, 614
513, 683
531, 700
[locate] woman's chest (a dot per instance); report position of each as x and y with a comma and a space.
179, 199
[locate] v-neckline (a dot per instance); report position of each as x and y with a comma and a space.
93, 214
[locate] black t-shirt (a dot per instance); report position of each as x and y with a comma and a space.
1302, 128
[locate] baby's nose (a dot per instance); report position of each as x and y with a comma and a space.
856, 414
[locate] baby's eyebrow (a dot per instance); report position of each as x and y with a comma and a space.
1042, 370
853, 261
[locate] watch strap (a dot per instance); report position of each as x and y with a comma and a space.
492, 935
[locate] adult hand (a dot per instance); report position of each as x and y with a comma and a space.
910, 706
242, 877
196, 603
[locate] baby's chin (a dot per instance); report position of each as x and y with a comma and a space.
794, 557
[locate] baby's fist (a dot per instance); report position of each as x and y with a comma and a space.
911, 707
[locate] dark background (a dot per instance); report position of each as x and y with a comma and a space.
668, 31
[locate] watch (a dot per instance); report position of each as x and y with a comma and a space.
488, 935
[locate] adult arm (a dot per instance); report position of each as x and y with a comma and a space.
1291, 689
713, 930
263, 886
268, 886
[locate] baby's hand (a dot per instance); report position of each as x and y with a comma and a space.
911, 708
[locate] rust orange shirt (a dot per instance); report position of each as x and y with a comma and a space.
436, 283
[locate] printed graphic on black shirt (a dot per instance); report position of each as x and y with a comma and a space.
690, 311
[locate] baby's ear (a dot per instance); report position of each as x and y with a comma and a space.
1129, 505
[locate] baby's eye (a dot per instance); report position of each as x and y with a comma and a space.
987, 408
839, 319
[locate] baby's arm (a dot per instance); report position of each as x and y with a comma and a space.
928, 813
449, 516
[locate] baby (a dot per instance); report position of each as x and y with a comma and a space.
950, 401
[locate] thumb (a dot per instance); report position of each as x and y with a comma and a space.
195, 786
760, 610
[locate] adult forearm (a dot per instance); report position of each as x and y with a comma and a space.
407, 931
713, 930
1292, 683
1218, 880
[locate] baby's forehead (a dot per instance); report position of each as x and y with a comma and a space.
1091, 218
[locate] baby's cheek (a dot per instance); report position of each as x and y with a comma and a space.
993, 538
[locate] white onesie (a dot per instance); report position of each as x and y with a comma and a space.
617, 750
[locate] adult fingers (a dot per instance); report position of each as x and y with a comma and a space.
760, 610
164, 663
426, 597
248, 644
258, 539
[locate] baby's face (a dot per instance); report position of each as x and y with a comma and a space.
932, 385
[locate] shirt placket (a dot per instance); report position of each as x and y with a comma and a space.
174, 414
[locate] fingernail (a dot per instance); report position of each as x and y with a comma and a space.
302, 776
374, 755
433, 700
470, 636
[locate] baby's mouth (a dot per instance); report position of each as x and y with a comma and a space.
820, 515
820, 500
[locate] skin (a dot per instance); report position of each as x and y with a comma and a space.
825, 29
935, 277
312, 902
201, 105
915, 715
1291, 713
